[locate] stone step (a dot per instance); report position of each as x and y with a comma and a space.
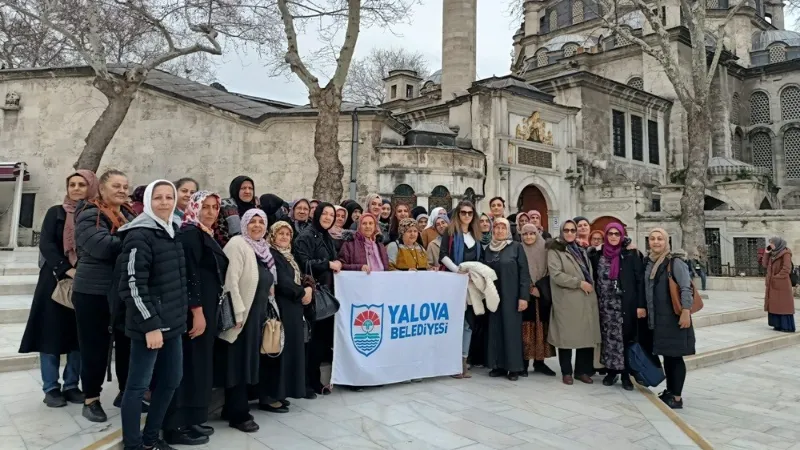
18, 284
15, 308
721, 318
19, 269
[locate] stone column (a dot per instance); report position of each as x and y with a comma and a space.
459, 35
778, 161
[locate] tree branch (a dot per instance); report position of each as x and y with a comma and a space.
207, 32
720, 42
292, 56
349, 45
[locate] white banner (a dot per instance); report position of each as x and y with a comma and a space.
395, 326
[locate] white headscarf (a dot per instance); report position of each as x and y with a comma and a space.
148, 206
434, 214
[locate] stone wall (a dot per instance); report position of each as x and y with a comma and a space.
163, 137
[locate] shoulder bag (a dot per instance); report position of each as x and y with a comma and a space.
226, 319
63, 293
324, 304
675, 294
273, 337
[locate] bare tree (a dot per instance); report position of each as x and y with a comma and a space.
123, 40
330, 17
365, 81
24, 42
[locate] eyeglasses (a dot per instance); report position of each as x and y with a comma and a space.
614, 233
466, 213
570, 231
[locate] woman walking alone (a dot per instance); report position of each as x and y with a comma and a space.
206, 265
51, 330
779, 299
98, 246
619, 283
673, 334
153, 287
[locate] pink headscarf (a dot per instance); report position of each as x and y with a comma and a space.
536, 213
611, 252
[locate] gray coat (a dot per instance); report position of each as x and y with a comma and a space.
574, 318
668, 338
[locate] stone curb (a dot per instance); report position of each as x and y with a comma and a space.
741, 315
687, 429
734, 353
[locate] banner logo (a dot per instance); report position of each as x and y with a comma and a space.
366, 327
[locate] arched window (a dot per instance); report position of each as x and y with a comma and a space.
570, 50
759, 108
736, 144
577, 11
762, 150
440, 196
790, 103
469, 195
636, 82
553, 20
791, 151
404, 192
542, 58
777, 53
736, 108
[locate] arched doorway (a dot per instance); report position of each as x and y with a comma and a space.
533, 198
601, 222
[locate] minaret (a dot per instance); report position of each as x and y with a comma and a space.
459, 35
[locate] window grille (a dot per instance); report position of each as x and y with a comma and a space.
759, 108
736, 143
577, 11
777, 53
762, 151
570, 50
790, 103
542, 59
791, 150
636, 83
736, 108
637, 138
440, 196
553, 21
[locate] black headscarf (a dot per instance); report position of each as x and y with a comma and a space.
272, 206
417, 211
236, 185
327, 240
351, 207
387, 220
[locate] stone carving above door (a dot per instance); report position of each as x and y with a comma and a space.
12, 102
534, 129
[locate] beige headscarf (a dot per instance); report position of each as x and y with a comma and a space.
536, 253
285, 251
495, 245
659, 258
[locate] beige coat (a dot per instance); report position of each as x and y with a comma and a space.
241, 280
575, 318
433, 252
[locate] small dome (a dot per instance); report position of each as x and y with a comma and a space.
763, 39
722, 166
435, 78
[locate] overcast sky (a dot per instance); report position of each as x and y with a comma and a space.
247, 74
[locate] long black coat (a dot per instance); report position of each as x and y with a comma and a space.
285, 376
315, 250
631, 280
206, 265
51, 327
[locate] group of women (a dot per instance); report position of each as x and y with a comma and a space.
150, 273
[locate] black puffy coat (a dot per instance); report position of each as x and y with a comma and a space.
152, 280
315, 249
97, 249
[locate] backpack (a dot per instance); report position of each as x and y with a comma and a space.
644, 370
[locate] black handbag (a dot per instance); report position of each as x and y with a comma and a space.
226, 319
324, 304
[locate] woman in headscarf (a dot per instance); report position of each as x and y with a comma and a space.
273, 207
485, 225
402, 210
778, 299
337, 231
137, 199
206, 265
386, 211
285, 375
51, 330
596, 239
521, 220
312, 205
584, 229
574, 319
97, 245
507, 258
186, 188
406, 253
619, 283
673, 334
242, 198
429, 233
153, 286
536, 220
299, 214
536, 317
315, 252
440, 224
250, 279
361, 252
354, 211
422, 222
374, 205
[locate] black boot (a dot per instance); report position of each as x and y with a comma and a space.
524, 372
627, 384
184, 436
610, 379
541, 367
204, 430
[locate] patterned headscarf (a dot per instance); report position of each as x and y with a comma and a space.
191, 215
574, 249
405, 225
611, 252
69, 205
497, 245
287, 251
260, 246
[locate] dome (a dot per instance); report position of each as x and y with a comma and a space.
763, 39
557, 42
722, 166
435, 78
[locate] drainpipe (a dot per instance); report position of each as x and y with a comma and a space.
17, 206
354, 155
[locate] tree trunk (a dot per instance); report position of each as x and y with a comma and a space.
693, 219
120, 95
328, 185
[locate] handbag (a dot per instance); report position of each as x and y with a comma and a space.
675, 294
63, 293
272, 339
324, 304
226, 318
644, 369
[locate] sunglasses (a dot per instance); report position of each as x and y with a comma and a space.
466, 213
570, 231
614, 233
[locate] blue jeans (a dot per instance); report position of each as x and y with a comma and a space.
167, 364
466, 338
49, 365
